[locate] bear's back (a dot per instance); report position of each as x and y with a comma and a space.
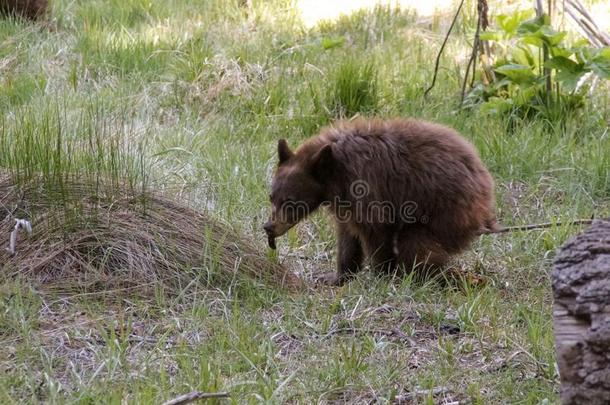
420, 140
410, 160
428, 156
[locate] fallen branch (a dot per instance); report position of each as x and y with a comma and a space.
356, 331
538, 226
195, 396
410, 396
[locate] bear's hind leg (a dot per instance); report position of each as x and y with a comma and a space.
417, 251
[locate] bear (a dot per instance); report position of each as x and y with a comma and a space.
30, 9
404, 193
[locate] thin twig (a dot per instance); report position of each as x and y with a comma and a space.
473, 55
410, 396
546, 71
538, 226
388, 333
487, 64
194, 396
440, 52
590, 27
580, 8
587, 23
488, 73
590, 35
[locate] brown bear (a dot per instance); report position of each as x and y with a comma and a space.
31, 9
403, 192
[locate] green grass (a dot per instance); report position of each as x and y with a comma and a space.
190, 97
353, 89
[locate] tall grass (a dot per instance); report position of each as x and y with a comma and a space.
353, 89
53, 146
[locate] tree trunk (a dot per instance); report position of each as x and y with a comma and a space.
581, 312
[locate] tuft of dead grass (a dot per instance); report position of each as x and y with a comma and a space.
90, 238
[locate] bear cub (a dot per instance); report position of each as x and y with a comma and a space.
404, 193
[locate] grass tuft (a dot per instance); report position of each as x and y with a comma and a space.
353, 89
123, 241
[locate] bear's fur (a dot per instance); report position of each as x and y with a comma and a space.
31, 9
366, 171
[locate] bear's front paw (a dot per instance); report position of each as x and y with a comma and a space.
330, 279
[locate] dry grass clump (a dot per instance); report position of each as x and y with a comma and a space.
86, 239
31, 9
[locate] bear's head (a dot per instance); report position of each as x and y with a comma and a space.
298, 187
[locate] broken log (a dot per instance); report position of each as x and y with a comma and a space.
581, 315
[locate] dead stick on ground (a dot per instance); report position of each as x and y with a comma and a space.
538, 226
195, 396
410, 396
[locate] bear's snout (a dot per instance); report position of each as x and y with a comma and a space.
268, 227
274, 228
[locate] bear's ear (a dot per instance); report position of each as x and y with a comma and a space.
322, 161
283, 151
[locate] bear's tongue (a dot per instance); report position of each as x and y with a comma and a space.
271, 240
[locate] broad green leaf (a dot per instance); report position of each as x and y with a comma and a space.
532, 25
563, 63
583, 55
510, 23
524, 95
496, 105
579, 43
600, 63
559, 51
523, 56
551, 36
520, 74
533, 39
545, 34
568, 71
538, 31
568, 79
491, 36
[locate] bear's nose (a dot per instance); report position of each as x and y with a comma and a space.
268, 227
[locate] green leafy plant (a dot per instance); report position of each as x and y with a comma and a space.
536, 72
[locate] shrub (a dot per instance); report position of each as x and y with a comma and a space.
537, 73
